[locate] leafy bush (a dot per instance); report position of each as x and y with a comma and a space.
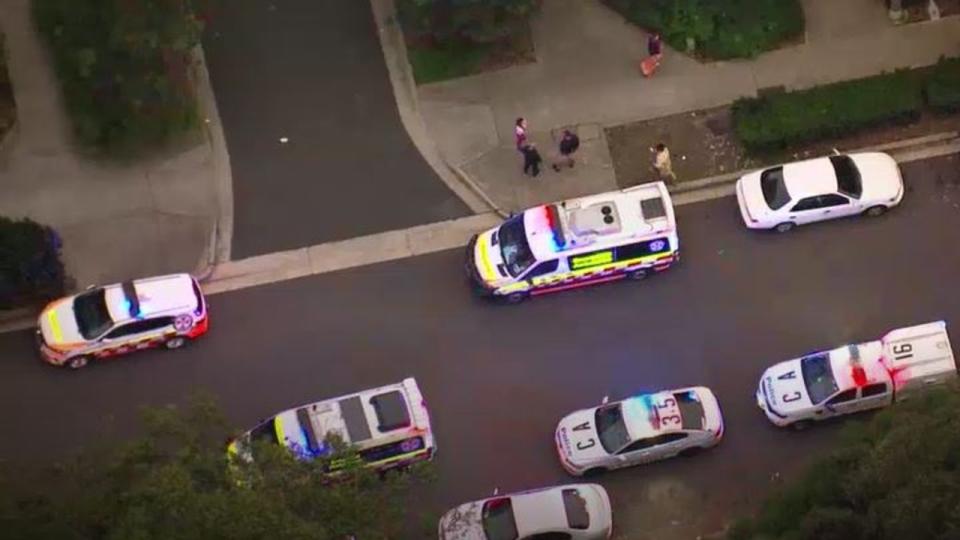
124, 68
896, 477
772, 122
465, 21
719, 28
943, 87
30, 266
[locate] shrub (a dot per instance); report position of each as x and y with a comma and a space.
446, 22
772, 122
124, 68
719, 28
943, 87
30, 266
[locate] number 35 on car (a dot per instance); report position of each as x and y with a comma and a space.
640, 429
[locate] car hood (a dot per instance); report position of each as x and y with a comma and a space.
783, 388
577, 435
489, 260
58, 324
463, 523
880, 176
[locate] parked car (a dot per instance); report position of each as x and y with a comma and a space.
782, 197
571, 512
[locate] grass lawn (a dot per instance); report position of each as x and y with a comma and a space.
439, 64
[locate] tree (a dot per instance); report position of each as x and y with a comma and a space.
175, 483
448, 22
896, 477
30, 267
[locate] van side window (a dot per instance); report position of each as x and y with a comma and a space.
874, 389
545, 267
641, 249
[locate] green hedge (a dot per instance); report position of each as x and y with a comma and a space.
720, 28
124, 68
772, 122
30, 266
943, 87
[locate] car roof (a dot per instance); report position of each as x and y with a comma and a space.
161, 295
639, 414
540, 510
808, 178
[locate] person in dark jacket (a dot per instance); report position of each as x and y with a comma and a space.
531, 160
569, 143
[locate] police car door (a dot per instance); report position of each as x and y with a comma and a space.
842, 403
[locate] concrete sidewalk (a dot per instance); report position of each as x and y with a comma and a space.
117, 221
586, 77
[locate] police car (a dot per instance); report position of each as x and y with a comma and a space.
782, 197
389, 427
630, 233
640, 429
103, 322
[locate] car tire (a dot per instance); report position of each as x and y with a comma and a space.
690, 452
784, 227
78, 362
801, 425
594, 472
175, 342
515, 297
639, 274
876, 211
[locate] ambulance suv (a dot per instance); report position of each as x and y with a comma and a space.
389, 426
103, 322
629, 233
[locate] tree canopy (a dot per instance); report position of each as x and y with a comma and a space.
174, 483
894, 477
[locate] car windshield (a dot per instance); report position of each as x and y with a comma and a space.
691, 410
498, 520
514, 247
264, 434
818, 376
848, 176
774, 190
90, 308
611, 428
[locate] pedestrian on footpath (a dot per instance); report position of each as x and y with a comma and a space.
663, 165
654, 54
520, 133
531, 160
569, 143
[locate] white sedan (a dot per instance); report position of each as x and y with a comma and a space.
572, 512
785, 196
640, 429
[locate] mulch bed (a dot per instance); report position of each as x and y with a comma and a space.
913, 14
702, 144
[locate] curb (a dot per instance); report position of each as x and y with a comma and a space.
944, 140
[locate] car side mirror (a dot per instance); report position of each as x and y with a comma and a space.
829, 407
511, 214
605, 400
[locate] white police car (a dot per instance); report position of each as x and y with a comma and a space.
640, 429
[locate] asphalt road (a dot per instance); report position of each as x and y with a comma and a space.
498, 378
313, 71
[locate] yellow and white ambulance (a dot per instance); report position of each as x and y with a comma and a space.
630, 233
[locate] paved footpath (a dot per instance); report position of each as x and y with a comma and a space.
586, 77
117, 221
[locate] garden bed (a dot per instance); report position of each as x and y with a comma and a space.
703, 144
433, 63
917, 11
8, 109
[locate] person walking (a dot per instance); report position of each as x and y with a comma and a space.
531, 160
569, 143
520, 133
654, 54
663, 165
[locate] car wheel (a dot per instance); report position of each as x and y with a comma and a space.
78, 362
175, 342
638, 274
786, 226
690, 452
515, 297
801, 425
594, 472
876, 211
